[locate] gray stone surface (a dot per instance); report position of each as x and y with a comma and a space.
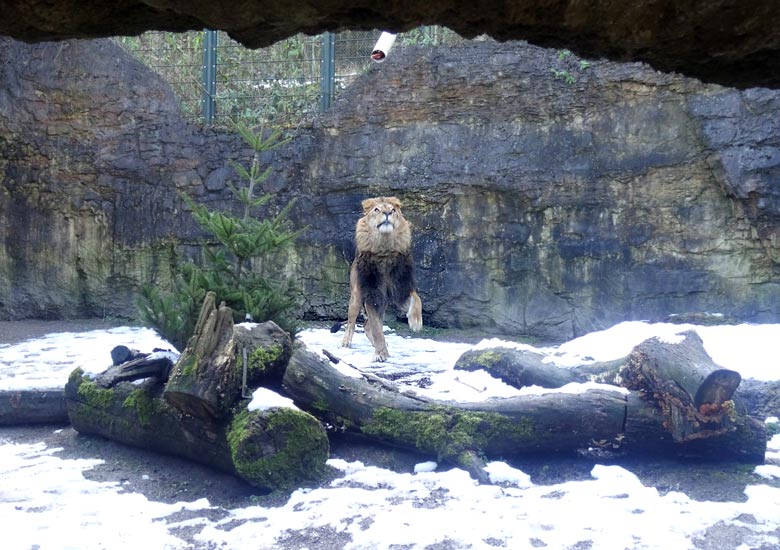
540, 206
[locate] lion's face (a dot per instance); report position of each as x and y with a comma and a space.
383, 227
383, 213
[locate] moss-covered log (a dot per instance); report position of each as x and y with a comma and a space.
551, 422
223, 360
265, 349
32, 407
274, 449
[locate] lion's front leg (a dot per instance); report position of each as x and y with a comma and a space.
373, 327
414, 312
355, 303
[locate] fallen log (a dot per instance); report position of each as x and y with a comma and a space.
523, 368
550, 422
157, 364
279, 448
694, 399
518, 368
760, 397
32, 407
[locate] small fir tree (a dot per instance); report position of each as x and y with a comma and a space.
227, 267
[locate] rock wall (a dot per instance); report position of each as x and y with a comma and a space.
548, 197
93, 152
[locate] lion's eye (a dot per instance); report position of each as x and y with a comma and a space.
376, 209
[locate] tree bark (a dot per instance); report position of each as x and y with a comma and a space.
274, 449
32, 407
144, 366
206, 382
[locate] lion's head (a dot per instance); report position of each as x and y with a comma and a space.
383, 227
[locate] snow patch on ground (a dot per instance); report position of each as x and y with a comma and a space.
46, 503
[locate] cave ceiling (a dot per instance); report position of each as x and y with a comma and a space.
729, 42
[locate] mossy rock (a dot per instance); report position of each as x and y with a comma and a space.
278, 449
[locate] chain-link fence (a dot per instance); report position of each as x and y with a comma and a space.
216, 79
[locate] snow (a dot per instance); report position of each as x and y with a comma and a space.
429, 466
264, 399
47, 503
45, 363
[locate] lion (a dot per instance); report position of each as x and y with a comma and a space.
382, 274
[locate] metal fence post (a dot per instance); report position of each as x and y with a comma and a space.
209, 75
327, 69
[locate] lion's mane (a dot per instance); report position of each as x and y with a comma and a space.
384, 263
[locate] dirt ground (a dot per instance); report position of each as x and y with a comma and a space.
169, 479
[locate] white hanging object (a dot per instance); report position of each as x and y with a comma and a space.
382, 47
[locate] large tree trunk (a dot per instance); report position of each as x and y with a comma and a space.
552, 422
272, 449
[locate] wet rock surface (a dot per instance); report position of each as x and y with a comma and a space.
541, 205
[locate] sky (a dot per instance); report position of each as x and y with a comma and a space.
47, 503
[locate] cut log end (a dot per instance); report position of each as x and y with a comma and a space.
278, 448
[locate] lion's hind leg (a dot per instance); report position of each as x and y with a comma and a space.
414, 311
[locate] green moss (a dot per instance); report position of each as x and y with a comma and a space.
191, 366
94, 396
76, 376
321, 405
487, 359
449, 432
145, 406
262, 358
277, 449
